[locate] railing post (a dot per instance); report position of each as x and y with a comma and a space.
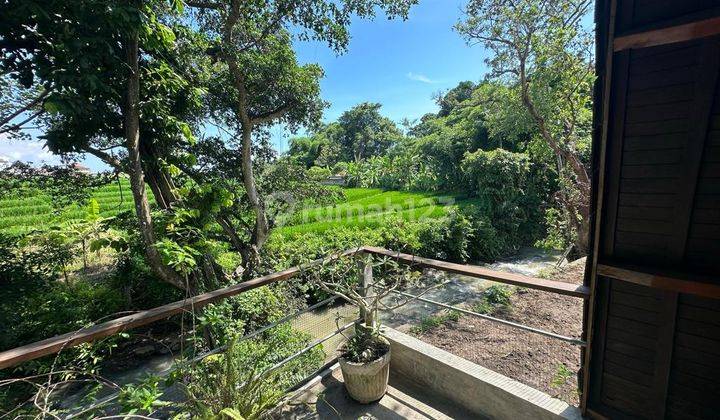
365, 281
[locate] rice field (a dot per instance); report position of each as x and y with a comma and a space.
362, 207
367, 208
21, 215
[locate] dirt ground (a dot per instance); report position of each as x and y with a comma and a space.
544, 363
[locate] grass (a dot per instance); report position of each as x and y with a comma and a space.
361, 202
494, 300
371, 220
23, 214
429, 323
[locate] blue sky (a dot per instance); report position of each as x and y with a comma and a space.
399, 64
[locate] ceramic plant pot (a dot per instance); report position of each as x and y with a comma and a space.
366, 382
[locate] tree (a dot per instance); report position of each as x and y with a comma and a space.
258, 81
133, 82
541, 49
322, 148
366, 132
305, 150
88, 58
447, 101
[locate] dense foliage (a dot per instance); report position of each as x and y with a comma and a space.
137, 84
466, 148
542, 51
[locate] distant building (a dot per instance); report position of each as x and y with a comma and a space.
78, 167
334, 180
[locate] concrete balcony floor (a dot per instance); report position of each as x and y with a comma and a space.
326, 398
426, 383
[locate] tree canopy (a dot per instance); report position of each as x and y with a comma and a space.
542, 52
135, 83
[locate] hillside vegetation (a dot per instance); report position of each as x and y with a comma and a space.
182, 98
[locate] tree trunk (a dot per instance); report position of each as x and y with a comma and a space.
261, 229
581, 181
583, 236
135, 171
157, 178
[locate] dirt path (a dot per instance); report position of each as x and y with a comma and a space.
541, 362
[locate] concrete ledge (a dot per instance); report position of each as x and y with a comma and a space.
479, 390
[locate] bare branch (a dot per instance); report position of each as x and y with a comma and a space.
25, 108
105, 157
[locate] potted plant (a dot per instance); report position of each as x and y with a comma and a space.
365, 356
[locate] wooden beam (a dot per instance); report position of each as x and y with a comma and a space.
59, 343
675, 283
607, 28
567, 289
669, 35
663, 357
614, 144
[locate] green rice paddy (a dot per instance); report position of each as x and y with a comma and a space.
21, 215
362, 207
367, 208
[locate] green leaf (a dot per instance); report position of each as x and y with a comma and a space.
93, 210
232, 414
52, 107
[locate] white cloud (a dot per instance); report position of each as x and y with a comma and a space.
420, 78
27, 151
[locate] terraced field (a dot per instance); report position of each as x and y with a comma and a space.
20, 215
362, 207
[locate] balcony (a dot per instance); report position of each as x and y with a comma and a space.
425, 381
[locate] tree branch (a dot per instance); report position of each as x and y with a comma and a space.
269, 116
19, 126
204, 5
105, 157
28, 106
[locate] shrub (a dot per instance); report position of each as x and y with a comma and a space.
498, 295
241, 314
316, 173
139, 285
244, 380
445, 238
559, 234
57, 309
508, 195
35, 304
495, 299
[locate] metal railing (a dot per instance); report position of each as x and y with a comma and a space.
519, 326
58, 343
108, 399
